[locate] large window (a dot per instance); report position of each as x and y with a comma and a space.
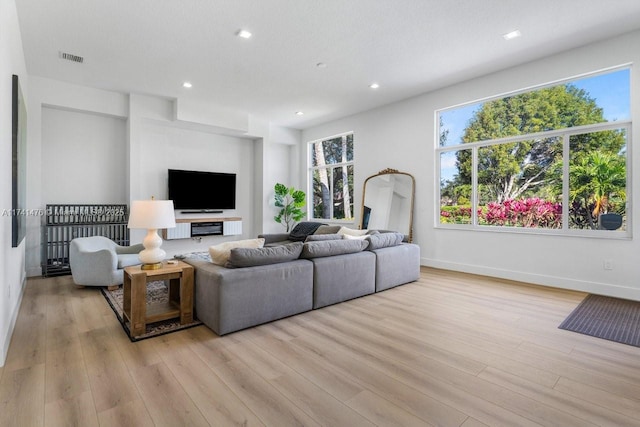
554, 158
331, 178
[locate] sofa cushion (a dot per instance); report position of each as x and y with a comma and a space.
384, 240
352, 231
302, 230
321, 237
332, 247
250, 257
327, 229
220, 253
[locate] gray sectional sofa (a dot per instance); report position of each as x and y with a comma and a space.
250, 290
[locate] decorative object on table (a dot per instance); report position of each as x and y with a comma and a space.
291, 202
612, 319
152, 215
157, 292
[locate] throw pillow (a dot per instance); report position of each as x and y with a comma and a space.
220, 253
352, 232
321, 237
327, 229
350, 237
250, 257
384, 240
303, 229
332, 247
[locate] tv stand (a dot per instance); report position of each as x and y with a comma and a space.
201, 211
198, 227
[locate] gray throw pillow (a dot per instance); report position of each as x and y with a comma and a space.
327, 229
332, 247
384, 240
250, 257
321, 237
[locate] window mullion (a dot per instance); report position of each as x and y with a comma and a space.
474, 186
566, 158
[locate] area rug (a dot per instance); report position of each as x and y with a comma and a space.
156, 292
608, 318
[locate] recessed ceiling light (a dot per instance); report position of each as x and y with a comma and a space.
244, 34
374, 85
321, 65
187, 85
299, 113
512, 35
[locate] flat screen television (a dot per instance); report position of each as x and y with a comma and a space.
202, 191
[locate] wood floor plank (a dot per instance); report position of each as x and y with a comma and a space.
72, 411
382, 412
66, 376
165, 398
449, 349
28, 344
446, 399
626, 406
317, 403
314, 369
22, 396
217, 403
130, 414
556, 399
110, 381
261, 397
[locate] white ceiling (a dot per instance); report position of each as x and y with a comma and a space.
407, 46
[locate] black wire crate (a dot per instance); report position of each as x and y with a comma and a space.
65, 222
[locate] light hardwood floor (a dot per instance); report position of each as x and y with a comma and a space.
449, 350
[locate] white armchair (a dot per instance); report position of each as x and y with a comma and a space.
99, 261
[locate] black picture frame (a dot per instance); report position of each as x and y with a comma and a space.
18, 164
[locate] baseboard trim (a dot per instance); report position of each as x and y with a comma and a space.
12, 323
538, 279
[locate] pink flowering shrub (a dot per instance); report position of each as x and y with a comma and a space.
530, 213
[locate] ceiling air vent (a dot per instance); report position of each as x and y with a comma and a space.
71, 57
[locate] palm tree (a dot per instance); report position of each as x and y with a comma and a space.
597, 179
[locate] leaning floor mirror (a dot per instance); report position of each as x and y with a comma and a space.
387, 202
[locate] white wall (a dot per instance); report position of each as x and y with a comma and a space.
165, 147
137, 138
403, 136
84, 155
12, 260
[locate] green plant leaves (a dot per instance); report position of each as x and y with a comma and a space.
291, 202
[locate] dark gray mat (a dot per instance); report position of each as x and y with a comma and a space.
612, 319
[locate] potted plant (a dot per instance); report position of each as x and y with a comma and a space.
290, 201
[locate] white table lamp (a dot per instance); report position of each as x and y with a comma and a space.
152, 215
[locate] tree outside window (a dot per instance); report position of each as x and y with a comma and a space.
552, 158
331, 177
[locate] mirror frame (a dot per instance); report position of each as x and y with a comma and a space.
389, 171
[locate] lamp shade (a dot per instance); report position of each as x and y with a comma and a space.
152, 214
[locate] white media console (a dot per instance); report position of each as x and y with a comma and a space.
199, 227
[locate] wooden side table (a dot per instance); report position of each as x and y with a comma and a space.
180, 304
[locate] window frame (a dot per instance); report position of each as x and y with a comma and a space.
565, 134
330, 171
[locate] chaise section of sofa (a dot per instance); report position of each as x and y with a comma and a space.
396, 265
231, 299
340, 278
